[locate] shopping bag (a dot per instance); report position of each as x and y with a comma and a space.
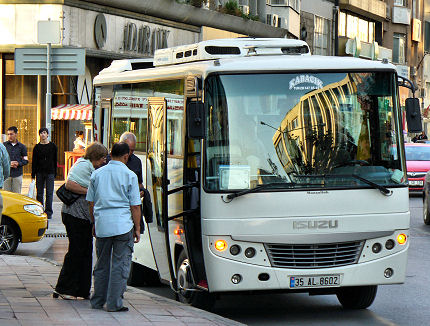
31, 189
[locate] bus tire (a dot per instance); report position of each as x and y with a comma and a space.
357, 297
199, 299
426, 211
142, 276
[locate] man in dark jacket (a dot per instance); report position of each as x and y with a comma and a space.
44, 169
18, 158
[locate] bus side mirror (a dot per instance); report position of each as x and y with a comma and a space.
195, 120
413, 115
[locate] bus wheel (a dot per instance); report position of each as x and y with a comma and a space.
186, 292
357, 297
142, 276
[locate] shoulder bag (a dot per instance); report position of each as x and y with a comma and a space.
66, 196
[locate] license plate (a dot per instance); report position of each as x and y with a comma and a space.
416, 183
314, 281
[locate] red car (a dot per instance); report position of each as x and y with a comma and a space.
417, 163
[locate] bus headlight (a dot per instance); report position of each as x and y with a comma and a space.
235, 250
249, 252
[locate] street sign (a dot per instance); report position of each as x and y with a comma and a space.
64, 61
48, 31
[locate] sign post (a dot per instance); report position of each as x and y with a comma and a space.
48, 32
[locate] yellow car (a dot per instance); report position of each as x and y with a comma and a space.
23, 220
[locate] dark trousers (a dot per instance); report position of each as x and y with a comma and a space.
45, 181
75, 275
112, 270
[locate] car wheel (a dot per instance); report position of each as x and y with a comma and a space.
9, 237
426, 211
357, 297
187, 294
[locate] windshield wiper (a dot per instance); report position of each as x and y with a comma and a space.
258, 188
385, 191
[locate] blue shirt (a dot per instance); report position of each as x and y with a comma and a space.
4, 165
113, 189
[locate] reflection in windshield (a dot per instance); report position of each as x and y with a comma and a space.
290, 125
417, 153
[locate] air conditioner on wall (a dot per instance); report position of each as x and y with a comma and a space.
244, 9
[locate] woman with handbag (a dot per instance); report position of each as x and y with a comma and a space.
74, 280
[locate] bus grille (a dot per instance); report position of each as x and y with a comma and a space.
314, 255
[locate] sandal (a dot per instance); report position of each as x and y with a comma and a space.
55, 295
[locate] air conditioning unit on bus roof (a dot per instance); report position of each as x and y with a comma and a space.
229, 48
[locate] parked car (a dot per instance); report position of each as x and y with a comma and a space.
23, 220
426, 199
417, 164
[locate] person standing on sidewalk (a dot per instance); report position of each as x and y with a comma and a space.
18, 158
75, 276
114, 202
4, 172
44, 169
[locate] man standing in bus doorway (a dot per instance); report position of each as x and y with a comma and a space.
134, 163
44, 169
114, 201
18, 158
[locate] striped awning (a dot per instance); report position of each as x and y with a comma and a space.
72, 112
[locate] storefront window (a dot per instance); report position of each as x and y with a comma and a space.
20, 108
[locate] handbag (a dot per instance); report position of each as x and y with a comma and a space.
66, 196
31, 187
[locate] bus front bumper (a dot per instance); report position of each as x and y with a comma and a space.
220, 272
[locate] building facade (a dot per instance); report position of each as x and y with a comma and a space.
106, 32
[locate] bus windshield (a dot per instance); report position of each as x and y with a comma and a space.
302, 130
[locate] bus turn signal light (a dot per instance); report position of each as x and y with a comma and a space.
178, 231
220, 245
401, 238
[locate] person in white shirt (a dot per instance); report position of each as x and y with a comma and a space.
79, 141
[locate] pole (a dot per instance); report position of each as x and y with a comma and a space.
48, 88
336, 28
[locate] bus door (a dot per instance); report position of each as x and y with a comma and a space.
157, 184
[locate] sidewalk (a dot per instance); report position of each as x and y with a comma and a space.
26, 286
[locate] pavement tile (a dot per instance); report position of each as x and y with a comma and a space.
26, 299
5, 322
160, 318
6, 315
152, 311
31, 316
